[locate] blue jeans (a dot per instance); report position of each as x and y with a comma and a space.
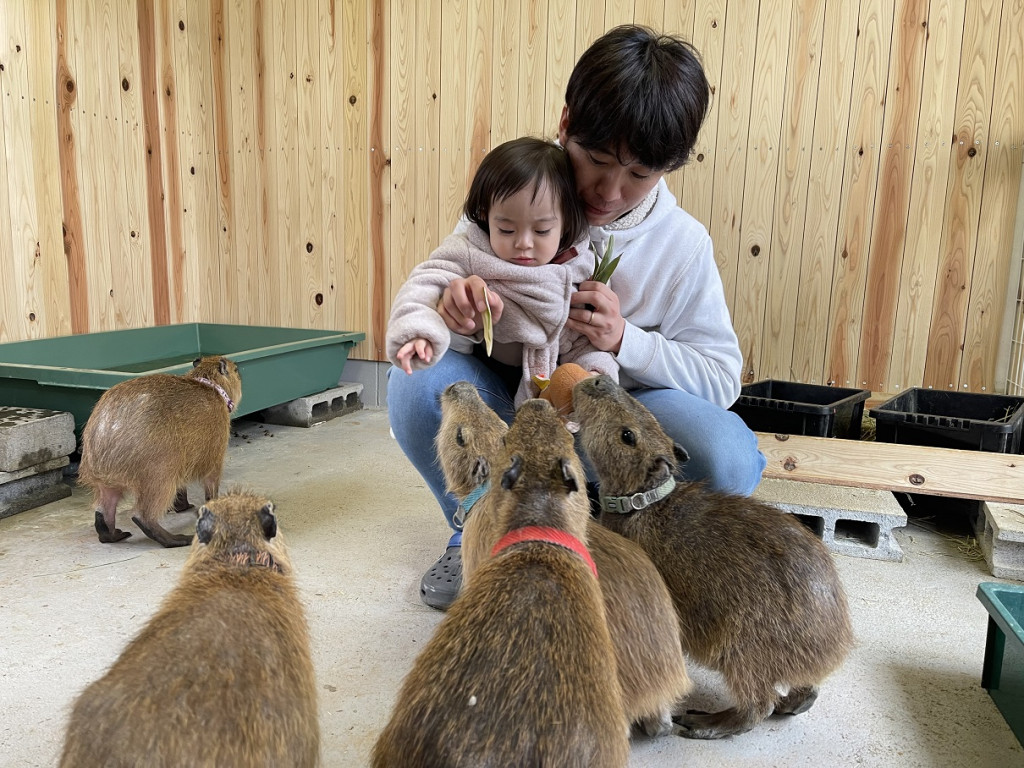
723, 451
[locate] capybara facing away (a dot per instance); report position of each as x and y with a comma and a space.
757, 594
520, 671
151, 436
222, 674
641, 618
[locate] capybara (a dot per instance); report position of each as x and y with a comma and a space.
638, 608
520, 671
222, 674
151, 436
757, 593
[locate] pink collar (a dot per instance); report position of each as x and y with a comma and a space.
220, 390
549, 535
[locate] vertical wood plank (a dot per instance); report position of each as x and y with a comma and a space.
380, 177
505, 71
267, 298
785, 267
731, 144
560, 61
928, 193
589, 26
825, 185
533, 41
332, 143
53, 314
310, 158
857, 204
224, 151
403, 101
454, 114
617, 12
652, 13
12, 326
430, 229
966, 169
1003, 165
892, 197
478, 94
755, 252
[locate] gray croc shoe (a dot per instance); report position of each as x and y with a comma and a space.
441, 584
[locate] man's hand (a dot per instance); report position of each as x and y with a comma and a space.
462, 305
604, 324
420, 348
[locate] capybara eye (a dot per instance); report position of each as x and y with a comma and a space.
459, 439
628, 437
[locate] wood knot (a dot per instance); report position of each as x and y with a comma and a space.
789, 464
782, 437
916, 479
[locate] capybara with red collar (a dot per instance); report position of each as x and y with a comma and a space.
521, 670
758, 595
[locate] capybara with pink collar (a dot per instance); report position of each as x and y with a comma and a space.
153, 435
758, 595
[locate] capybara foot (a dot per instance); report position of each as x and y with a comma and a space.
716, 725
797, 701
106, 535
159, 535
656, 725
181, 502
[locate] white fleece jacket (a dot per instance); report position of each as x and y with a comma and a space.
531, 332
678, 334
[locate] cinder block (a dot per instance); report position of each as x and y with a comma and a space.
33, 491
38, 469
30, 436
1000, 532
314, 409
850, 521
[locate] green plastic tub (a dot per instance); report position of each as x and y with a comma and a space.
69, 373
1003, 671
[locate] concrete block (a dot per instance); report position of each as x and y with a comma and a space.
33, 491
1000, 532
850, 521
30, 436
37, 469
315, 409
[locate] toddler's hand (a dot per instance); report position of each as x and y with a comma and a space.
420, 348
462, 304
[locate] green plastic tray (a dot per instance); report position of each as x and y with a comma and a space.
69, 373
1003, 671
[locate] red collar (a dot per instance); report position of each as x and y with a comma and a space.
551, 536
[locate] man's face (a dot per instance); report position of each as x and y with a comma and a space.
608, 187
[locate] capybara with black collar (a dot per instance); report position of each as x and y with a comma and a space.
153, 435
520, 671
638, 608
758, 595
221, 676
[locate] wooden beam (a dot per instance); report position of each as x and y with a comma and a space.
895, 467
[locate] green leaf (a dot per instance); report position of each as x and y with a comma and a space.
604, 265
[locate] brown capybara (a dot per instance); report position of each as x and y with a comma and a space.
757, 594
520, 671
151, 436
222, 674
638, 608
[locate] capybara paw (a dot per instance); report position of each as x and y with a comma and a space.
181, 502
160, 536
797, 701
714, 725
656, 725
105, 534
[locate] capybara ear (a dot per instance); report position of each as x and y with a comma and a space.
481, 470
680, 453
223, 366
204, 525
568, 478
512, 473
196, 362
268, 521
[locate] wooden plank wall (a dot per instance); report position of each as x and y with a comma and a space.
287, 162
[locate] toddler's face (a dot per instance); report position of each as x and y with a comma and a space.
526, 227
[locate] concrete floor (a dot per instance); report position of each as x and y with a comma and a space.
362, 528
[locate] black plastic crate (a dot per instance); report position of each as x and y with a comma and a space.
790, 408
965, 420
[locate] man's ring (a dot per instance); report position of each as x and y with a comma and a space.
591, 318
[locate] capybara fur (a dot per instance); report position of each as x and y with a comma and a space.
520, 671
153, 435
222, 674
757, 593
638, 608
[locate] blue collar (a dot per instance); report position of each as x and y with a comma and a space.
462, 511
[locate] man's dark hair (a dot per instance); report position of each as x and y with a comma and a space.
634, 90
521, 163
